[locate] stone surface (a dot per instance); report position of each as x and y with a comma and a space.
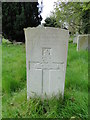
75, 38
17, 43
82, 42
46, 56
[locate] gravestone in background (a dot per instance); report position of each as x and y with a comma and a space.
46, 56
75, 37
82, 42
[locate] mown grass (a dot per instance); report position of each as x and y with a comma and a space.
0, 67
0, 80
13, 67
15, 104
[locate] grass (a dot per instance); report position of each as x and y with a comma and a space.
0, 79
0, 67
13, 67
14, 102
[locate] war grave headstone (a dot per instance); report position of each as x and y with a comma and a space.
82, 42
46, 58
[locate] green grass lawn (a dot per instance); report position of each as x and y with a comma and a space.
14, 100
0, 67
0, 79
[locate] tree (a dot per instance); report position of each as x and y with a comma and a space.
0, 17
19, 15
86, 18
76, 14
51, 22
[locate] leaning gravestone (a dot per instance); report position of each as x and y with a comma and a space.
82, 42
46, 56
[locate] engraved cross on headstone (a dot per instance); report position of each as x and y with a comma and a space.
46, 65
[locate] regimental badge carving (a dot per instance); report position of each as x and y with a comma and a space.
46, 51
46, 54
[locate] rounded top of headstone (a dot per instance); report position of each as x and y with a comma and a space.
40, 26
83, 34
45, 28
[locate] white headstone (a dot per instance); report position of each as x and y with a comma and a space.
46, 56
82, 42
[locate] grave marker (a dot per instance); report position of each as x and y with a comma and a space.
46, 56
75, 37
82, 42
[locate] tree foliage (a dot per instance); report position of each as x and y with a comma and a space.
50, 22
19, 15
76, 14
0, 17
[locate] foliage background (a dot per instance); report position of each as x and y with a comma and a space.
75, 14
19, 15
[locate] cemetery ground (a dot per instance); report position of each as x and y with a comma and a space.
14, 99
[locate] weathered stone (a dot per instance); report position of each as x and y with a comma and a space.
17, 43
82, 42
75, 37
46, 56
